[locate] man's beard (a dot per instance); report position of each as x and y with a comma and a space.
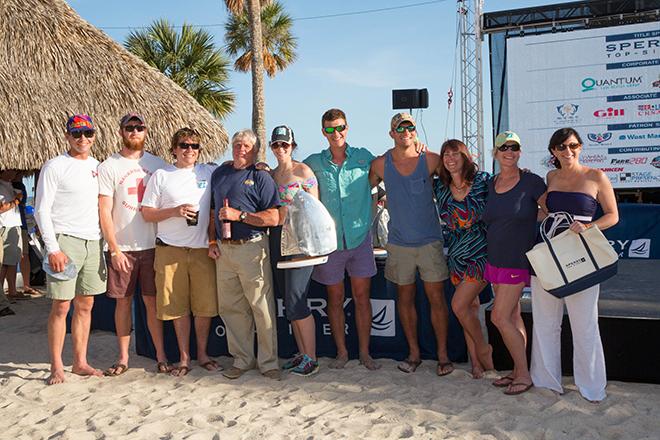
135, 145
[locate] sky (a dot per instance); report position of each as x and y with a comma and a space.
349, 62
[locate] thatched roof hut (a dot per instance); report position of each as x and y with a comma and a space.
54, 64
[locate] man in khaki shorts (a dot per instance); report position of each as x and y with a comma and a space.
178, 198
67, 212
123, 178
10, 230
414, 237
5, 310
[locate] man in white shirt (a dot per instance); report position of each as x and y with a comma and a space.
10, 230
67, 212
178, 198
123, 178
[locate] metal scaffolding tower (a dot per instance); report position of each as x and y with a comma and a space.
472, 109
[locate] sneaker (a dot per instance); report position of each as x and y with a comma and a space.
307, 367
233, 373
293, 362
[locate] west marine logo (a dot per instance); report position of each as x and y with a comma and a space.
599, 138
383, 320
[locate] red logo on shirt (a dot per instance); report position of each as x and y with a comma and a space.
138, 189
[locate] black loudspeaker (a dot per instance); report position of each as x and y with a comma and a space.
410, 98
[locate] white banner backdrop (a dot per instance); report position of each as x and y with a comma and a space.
605, 83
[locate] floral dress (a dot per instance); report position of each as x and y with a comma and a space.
465, 230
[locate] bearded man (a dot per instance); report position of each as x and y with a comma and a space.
123, 178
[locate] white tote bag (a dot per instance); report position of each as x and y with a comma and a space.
568, 262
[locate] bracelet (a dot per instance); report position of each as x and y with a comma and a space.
114, 254
212, 242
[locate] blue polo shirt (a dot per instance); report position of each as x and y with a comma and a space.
248, 190
345, 192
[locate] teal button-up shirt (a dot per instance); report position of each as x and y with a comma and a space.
345, 192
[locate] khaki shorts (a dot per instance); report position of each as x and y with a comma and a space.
185, 282
87, 255
403, 262
12, 244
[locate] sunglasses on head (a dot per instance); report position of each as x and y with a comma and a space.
403, 128
572, 146
331, 130
131, 128
513, 147
185, 146
79, 134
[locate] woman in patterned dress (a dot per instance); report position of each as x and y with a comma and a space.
461, 198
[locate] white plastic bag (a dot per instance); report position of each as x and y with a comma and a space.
308, 227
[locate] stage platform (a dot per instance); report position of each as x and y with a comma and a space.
629, 320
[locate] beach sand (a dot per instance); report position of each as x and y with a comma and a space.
350, 403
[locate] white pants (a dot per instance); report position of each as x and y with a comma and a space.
588, 357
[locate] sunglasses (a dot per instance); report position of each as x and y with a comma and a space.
562, 147
331, 130
282, 145
514, 147
401, 129
185, 146
132, 128
78, 134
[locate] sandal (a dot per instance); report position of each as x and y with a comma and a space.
18, 295
32, 292
210, 365
503, 381
525, 387
116, 370
444, 368
164, 367
409, 365
180, 371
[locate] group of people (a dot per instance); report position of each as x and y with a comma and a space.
204, 240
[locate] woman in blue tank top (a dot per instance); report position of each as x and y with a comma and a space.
576, 189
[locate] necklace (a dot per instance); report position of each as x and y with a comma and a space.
461, 188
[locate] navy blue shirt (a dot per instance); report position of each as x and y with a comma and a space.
248, 190
511, 220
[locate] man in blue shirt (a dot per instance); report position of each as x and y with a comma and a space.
244, 276
342, 172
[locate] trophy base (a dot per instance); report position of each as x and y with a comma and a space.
302, 262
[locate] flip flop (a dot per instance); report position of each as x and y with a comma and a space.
210, 365
116, 370
180, 371
164, 367
440, 370
525, 388
409, 366
503, 381
18, 295
32, 292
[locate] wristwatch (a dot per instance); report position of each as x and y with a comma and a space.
242, 216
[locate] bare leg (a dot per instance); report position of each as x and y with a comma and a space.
304, 331
80, 324
26, 272
202, 327
337, 323
361, 292
123, 326
182, 330
505, 310
155, 327
408, 318
10, 275
56, 334
463, 305
439, 317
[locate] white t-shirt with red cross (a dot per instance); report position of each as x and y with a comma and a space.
125, 180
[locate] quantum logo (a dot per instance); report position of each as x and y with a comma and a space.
640, 248
589, 84
383, 322
609, 113
599, 138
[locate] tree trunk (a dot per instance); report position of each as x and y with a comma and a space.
258, 111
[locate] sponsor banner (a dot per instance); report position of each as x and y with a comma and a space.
570, 80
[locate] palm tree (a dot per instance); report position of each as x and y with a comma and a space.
268, 33
190, 59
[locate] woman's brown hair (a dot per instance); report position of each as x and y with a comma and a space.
470, 168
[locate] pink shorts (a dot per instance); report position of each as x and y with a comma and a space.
502, 275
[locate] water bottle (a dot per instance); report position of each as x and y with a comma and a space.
226, 224
69, 272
